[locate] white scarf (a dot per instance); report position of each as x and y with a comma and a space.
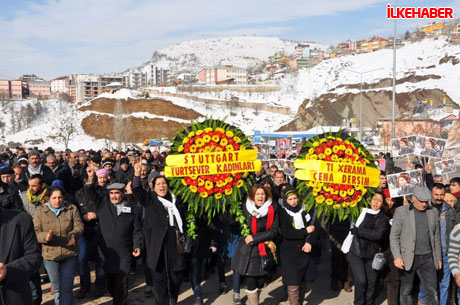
258, 212
34, 170
347, 242
172, 211
298, 222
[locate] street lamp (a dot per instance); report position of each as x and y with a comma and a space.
361, 100
393, 97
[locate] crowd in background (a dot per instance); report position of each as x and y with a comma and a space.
114, 209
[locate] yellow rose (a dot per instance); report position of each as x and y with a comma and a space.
229, 148
191, 134
335, 149
204, 195
239, 183
229, 133
353, 204
320, 199
329, 201
350, 192
228, 192
345, 205
342, 147
185, 140
208, 129
200, 182
193, 188
181, 148
314, 194
193, 149
207, 149
314, 157
334, 192
311, 151
216, 138
322, 140
334, 158
218, 129
199, 132
328, 151
219, 149
206, 138
321, 156
237, 140
193, 177
336, 206
217, 195
219, 184
348, 151
343, 193
315, 144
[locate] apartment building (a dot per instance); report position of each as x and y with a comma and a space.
224, 74
39, 88
60, 84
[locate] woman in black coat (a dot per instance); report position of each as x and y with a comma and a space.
368, 234
299, 237
164, 215
260, 214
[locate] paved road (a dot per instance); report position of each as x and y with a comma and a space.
318, 291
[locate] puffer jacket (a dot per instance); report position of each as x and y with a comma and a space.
67, 223
9, 198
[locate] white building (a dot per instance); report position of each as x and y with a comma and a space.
60, 84
87, 89
155, 76
136, 79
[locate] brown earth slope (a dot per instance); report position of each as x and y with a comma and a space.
332, 109
134, 130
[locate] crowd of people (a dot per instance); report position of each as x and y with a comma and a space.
61, 212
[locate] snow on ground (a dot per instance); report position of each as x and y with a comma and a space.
241, 51
42, 129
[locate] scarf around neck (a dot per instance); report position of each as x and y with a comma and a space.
57, 211
34, 170
173, 212
296, 214
258, 212
349, 239
39, 199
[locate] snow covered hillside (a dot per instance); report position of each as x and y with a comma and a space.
243, 51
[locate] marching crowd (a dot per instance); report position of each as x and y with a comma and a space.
59, 211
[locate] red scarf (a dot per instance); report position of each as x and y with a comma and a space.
457, 195
270, 218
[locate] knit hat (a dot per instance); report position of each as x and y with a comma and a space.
102, 172
58, 183
124, 160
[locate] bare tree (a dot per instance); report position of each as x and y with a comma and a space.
66, 122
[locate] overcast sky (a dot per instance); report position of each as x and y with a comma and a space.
59, 37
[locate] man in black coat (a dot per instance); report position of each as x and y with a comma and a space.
121, 234
20, 257
35, 167
9, 198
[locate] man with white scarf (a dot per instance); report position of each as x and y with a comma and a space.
36, 167
121, 234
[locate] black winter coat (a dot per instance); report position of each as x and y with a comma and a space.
122, 176
247, 259
160, 237
297, 266
371, 235
85, 205
9, 198
120, 234
20, 253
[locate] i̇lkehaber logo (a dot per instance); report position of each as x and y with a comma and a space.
419, 12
